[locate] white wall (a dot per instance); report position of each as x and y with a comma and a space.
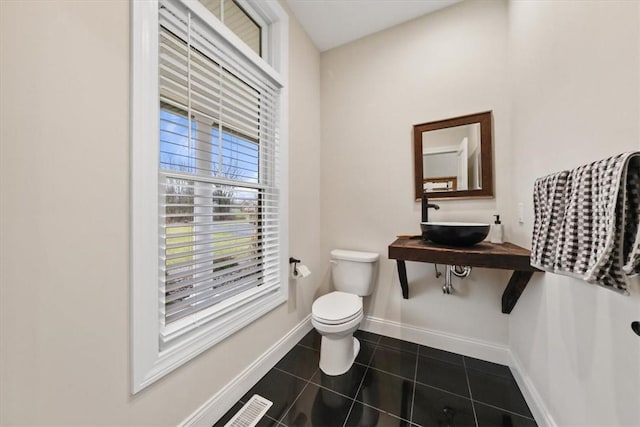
304, 165
575, 80
447, 64
64, 212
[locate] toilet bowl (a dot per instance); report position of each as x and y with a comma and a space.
337, 315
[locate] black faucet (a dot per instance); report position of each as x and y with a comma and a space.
425, 207
425, 212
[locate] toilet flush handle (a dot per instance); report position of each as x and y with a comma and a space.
333, 262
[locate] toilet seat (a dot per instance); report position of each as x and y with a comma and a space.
336, 308
339, 321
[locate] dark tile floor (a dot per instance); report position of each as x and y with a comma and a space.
392, 383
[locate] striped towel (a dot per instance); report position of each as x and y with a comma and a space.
548, 205
587, 222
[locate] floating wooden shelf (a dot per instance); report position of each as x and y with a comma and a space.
505, 256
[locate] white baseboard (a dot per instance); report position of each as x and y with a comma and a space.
479, 349
534, 400
218, 405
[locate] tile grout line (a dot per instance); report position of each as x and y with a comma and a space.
415, 380
442, 360
294, 375
309, 381
308, 347
422, 384
370, 366
297, 397
505, 410
492, 374
353, 401
473, 406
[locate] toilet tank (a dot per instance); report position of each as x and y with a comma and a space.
353, 271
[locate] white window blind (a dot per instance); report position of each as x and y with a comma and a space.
218, 174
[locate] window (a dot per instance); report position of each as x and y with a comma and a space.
234, 17
209, 237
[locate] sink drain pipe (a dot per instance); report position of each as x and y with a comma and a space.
458, 271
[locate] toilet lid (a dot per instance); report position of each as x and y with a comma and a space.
337, 307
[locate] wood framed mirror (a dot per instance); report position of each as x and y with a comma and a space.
454, 157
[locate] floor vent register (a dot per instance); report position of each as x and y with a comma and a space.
250, 413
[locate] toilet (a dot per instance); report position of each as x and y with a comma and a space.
337, 315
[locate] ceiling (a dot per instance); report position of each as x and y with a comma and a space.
331, 23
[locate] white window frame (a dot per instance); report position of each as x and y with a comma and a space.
149, 362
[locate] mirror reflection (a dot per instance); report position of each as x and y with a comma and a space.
453, 157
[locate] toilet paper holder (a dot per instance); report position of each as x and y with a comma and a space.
300, 271
295, 262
